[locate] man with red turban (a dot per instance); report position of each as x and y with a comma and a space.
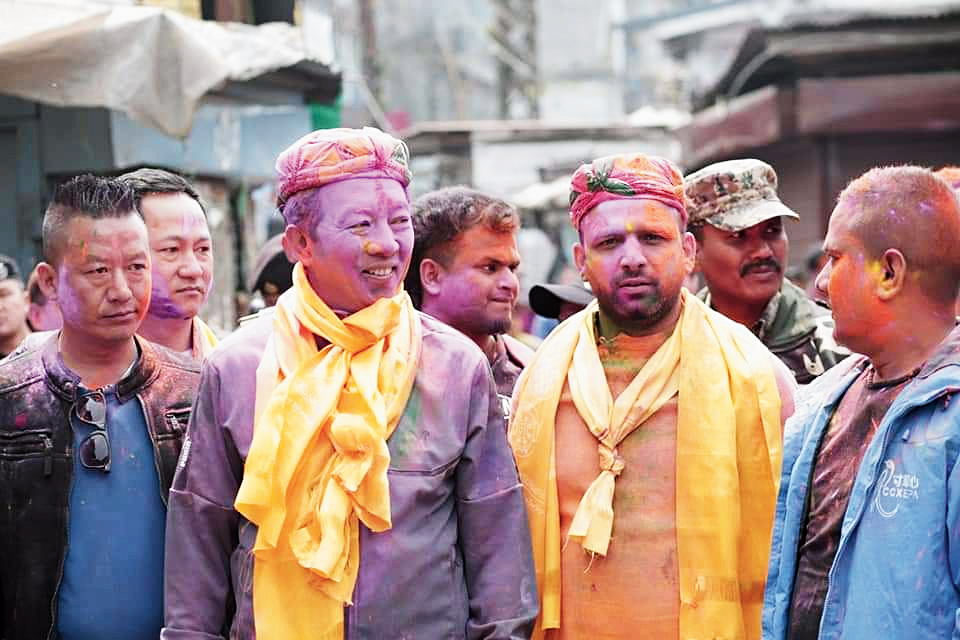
681, 407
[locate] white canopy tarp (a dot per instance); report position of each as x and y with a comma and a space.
152, 64
554, 194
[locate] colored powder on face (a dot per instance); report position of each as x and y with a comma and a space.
372, 248
161, 305
873, 271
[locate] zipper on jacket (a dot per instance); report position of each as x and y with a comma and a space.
52, 633
806, 513
152, 432
47, 454
45, 442
809, 491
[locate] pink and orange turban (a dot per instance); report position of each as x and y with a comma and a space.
330, 155
632, 175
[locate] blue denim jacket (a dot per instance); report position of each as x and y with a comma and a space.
896, 573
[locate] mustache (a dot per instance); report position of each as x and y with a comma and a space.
761, 264
626, 275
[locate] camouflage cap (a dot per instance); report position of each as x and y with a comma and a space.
734, 195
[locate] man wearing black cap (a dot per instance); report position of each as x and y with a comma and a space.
558, 301
272, 273
13, 306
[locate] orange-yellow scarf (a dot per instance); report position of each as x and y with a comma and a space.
203, 340
728, 460
318, 462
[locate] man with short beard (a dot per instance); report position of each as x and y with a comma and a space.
737, 219
682, 401
464, 272
182, 256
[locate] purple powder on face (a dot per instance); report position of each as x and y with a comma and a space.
162, 306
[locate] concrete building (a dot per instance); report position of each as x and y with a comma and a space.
825, 99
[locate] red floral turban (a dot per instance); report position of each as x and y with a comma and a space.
626, 176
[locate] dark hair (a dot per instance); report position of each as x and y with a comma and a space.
83, 196
440, 217
302, 209
145, 182
696, 230
36, 294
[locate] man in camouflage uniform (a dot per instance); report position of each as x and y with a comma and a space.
737, 219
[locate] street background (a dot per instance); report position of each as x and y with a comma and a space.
508, 96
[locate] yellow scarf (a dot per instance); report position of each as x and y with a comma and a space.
728, 460
318, 462
204, 339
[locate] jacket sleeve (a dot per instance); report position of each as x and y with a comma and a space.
202, 523
793, 437
953, 522
494, 534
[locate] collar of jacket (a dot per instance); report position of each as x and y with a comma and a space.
789, 316
827, 389
64, 382
947, 354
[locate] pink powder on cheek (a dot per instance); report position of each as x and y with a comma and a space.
456, 298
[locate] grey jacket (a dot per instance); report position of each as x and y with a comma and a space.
457, 562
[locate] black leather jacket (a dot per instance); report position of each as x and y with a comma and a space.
36, 467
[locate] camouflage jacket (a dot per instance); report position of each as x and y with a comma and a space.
797, 331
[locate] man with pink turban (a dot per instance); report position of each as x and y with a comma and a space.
647, 432
346, 472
